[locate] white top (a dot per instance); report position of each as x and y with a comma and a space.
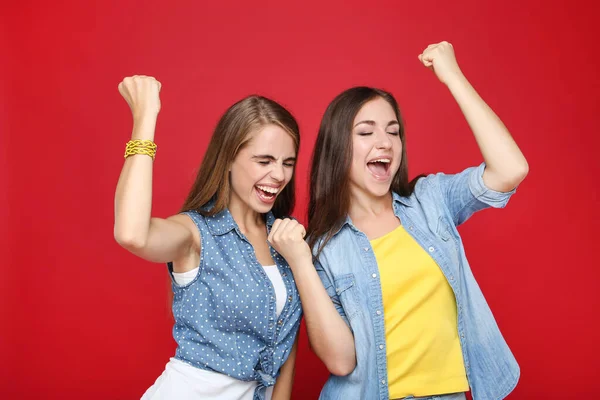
277, 281
183, 278
182, 381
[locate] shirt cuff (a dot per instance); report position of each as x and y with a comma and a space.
483, 193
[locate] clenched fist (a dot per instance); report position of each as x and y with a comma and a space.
441, 60
141, 93
287, 237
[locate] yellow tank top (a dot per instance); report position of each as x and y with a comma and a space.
424, 356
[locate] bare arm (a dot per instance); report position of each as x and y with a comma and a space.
285, 381
330, 338
153, 239
506, 166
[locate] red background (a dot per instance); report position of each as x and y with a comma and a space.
83, 319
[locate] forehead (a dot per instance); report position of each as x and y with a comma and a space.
377, 110
271, 139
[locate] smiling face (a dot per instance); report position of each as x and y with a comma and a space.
376, 149
262, 168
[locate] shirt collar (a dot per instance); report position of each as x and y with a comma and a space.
223, 222
396, 199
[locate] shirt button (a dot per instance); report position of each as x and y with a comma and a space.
366, 249
374, 275
279, 322
431, 249
382, 382
380, 347
378, 312
411, 228
451, 278
289, 298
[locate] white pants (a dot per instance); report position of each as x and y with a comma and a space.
181, 381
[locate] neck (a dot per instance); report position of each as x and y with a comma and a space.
245, 217
364, 205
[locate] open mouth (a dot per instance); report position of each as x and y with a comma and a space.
380, 167
266, 194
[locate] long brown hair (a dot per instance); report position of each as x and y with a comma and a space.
229, 137
329, 202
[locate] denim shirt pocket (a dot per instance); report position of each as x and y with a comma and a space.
450, 242
345, 288
443, 229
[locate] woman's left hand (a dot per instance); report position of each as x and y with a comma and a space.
441, 60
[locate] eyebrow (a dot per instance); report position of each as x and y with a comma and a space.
372, 123
270, 157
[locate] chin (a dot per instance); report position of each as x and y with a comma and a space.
379, 190
261, 208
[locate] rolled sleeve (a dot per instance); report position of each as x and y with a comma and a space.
484, 194
330, 289
465, 193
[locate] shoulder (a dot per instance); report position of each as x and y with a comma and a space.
189, 220
338, 249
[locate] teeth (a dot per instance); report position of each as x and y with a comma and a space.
268, 189
382, 160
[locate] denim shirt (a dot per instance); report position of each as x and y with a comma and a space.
349, 272
226, 319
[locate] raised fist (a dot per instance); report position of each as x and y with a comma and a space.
441, 60
142, 94
287, 237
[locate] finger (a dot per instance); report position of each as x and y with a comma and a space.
124, 92
426, 62
159, 85
274, 229
283, 228
299, 229
427, 56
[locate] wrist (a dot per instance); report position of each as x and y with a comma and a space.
145, 117
144, 127
300, 262
456, 80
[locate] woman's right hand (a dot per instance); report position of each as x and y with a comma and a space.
142, 94
287, 238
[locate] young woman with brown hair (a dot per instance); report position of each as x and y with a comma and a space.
399, 314
235, 305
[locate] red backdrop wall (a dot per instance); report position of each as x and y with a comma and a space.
83, 319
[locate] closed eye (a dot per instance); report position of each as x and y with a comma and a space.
365, 133
394, 133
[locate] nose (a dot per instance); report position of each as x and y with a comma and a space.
277, 172
383, 140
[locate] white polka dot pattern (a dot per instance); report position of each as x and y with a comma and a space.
225, 319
